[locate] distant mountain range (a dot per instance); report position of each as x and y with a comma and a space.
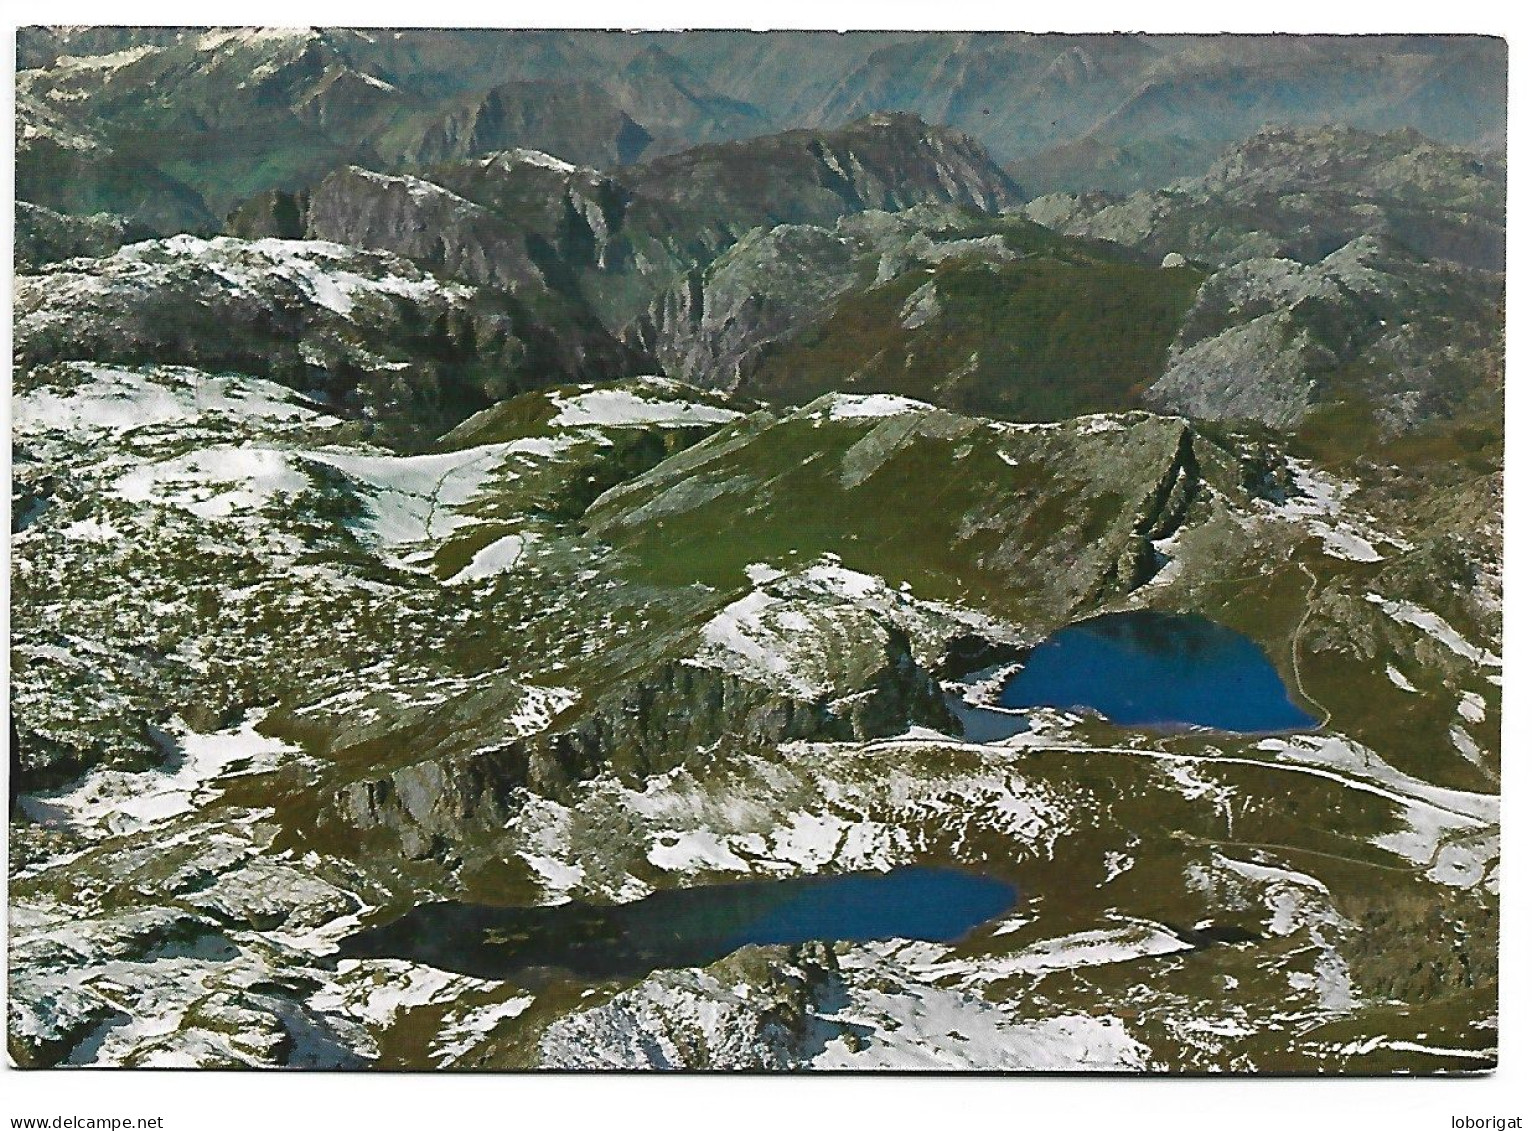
237, 112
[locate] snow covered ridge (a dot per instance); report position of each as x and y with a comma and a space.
37, 121
384, 690
410, 500
325, 271
875, 406
157, 438
72, 78
762, 637
849, 406
861, 1012
114, 801
330, 275
418, 189
818, 808
216, 38
509, 159
792, 631
617, 408
542, 160
377, 990
418, 499
214, 482
116, 400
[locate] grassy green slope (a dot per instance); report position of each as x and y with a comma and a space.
1031, 523
1042, 338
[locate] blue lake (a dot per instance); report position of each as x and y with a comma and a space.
688, 926
1157, 670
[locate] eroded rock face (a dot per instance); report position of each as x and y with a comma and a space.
846, 674
712, 325
712, 328
450, 234
524, 219
586, 249
1268, 338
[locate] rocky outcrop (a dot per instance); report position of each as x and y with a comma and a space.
1268, 338
45, 236
272, 214
571, 237
368, 332
679, 712
1302, 193
444, 232
160, 987
756, 1010
528, 226
712, 328
1160, 514
576, 121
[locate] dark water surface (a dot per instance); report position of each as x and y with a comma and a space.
1157, 670
985, 724
688, 926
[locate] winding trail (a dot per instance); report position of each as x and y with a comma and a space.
433, 500
1308, 609
1472, 801
1311, 852
1450, 840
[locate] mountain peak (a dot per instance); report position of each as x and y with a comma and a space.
655, 60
